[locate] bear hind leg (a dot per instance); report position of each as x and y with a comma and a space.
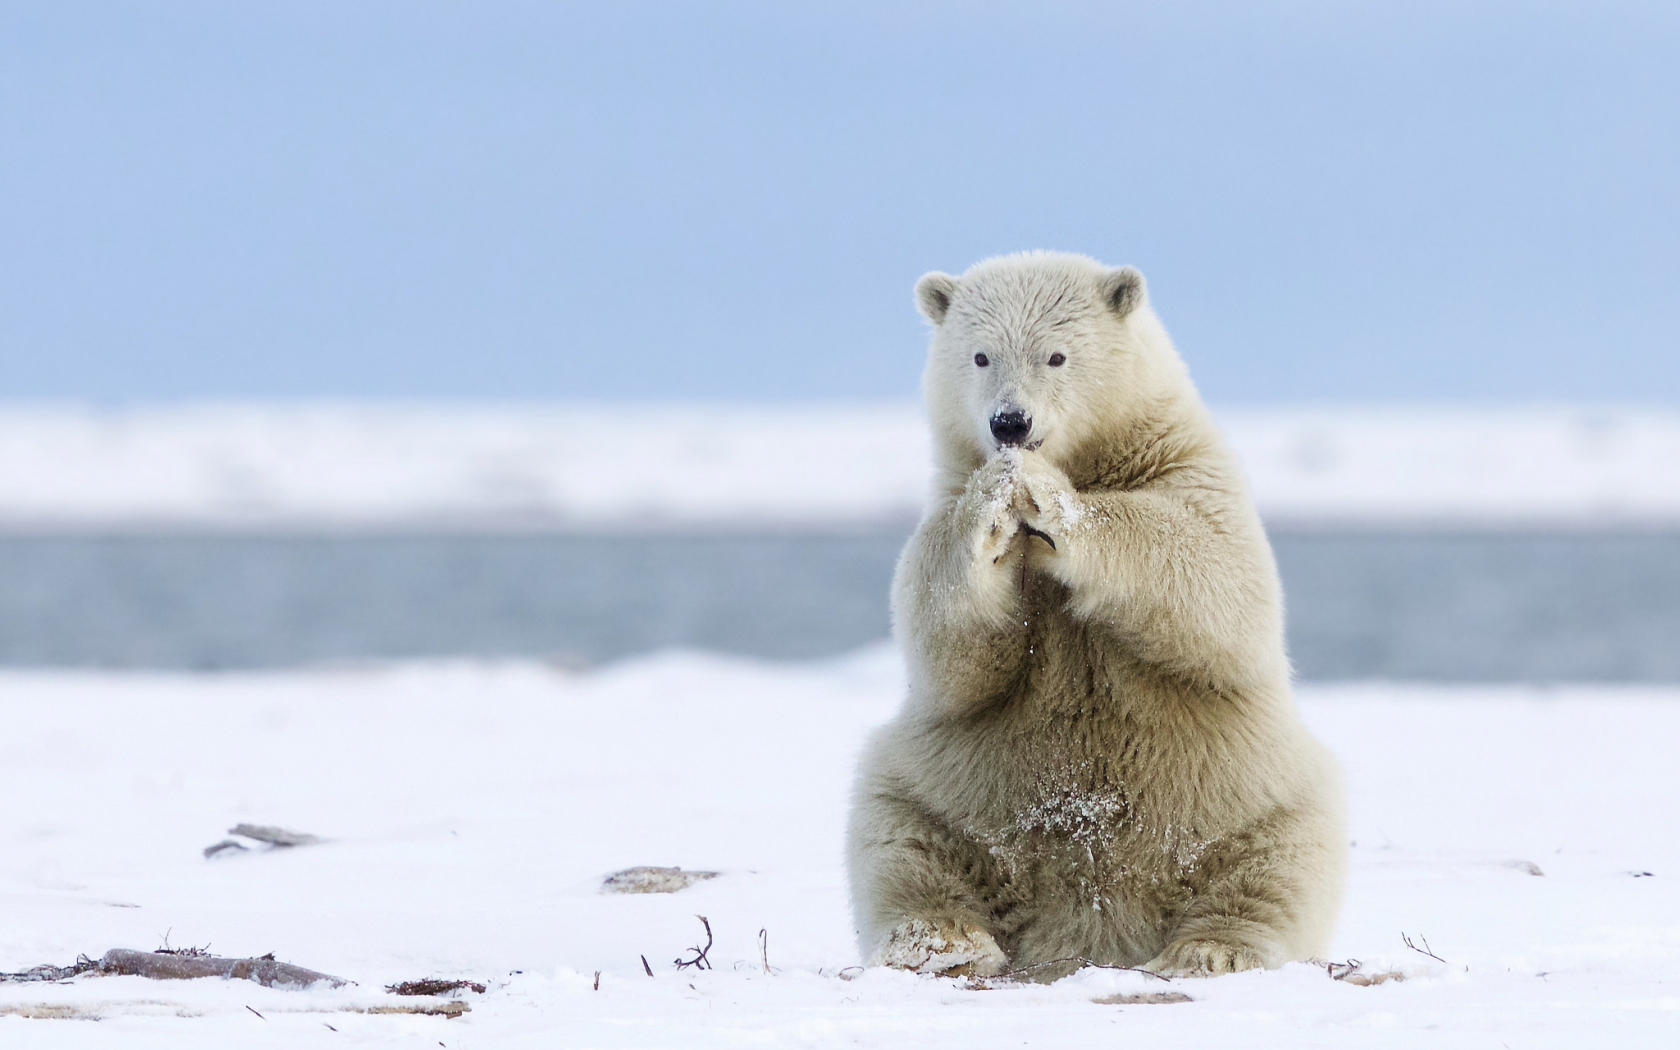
915, 895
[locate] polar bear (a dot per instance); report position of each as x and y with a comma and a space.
1099, 757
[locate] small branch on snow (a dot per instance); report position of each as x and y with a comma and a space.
189, 952
1425, 950
699, 962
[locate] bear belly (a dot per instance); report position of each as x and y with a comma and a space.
1072, 851
1059, 799
1081, 874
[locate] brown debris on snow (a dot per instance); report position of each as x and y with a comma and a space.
171, 966
271, 836
1350, 973
99, 1011
1365, 980
450, 1008
48, 974
644, 879
275, 836
94, 1011
433, 986
175, 964
1142, 998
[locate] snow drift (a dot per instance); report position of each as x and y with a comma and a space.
356, 466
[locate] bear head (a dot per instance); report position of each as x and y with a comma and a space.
1042, 351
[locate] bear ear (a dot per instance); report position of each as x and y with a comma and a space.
933, 295
1123, 291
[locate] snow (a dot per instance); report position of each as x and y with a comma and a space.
358, 465
1508, 466
472, 810
682, 466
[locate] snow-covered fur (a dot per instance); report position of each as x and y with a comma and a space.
1099, 756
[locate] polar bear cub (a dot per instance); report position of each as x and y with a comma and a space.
1099, 757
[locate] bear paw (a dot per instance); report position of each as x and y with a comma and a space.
994, 498
1050, 507
950, 948
1205, 957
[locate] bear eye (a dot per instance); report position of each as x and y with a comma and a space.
1057, 360
982, 360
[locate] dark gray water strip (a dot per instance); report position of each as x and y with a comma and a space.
1594, 606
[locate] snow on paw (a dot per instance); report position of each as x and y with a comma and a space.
1050, 508
951, 948
993, 496
1205, 957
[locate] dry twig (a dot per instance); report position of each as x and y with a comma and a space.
189, 952
1425, 950
699, 962
1340, 970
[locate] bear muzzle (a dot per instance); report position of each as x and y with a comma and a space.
1011, 429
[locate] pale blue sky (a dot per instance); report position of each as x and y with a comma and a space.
411, 199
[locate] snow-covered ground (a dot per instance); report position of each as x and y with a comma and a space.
472, 810
646, 466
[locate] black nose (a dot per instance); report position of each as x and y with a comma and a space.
1011, 428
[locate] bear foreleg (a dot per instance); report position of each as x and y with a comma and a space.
957, 593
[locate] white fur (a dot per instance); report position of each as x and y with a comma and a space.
1099, 756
